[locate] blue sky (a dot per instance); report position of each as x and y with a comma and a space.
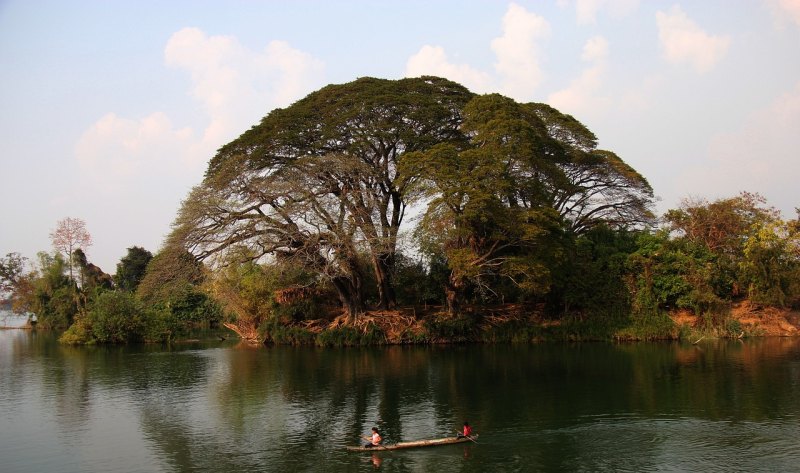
110, 110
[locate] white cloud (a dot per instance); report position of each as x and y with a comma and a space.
432, 60
116, 149
237, 86
683, 41
586, 10
581, 95
135, 171
595, 50
761, 156
786, 10
518, 52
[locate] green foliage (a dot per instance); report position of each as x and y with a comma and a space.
132, 268
287, 334
414, 337
770, 266
346, 336
115, 317
247, 292
653, 327
12, 272
172, 285
190, 305
733, 327
416, 285
592, 279
54, 296
498, 204
118, 317
172, 268
673, 274
452, 329
79, 333
317, 183
513, 331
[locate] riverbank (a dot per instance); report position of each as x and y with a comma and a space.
525, 324
752, 319
515, 323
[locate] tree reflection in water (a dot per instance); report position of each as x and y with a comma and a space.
550, 406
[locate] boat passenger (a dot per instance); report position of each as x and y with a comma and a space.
467, 432
376, 439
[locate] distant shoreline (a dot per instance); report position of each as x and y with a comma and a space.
7, 316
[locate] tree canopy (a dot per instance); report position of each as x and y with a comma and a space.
131, 268
318, 183
325, 184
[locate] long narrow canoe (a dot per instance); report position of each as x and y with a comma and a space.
414, 444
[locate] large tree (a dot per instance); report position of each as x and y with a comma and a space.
498, 200
318, 181
487, 212
593, 186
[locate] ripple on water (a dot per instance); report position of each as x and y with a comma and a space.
626, 443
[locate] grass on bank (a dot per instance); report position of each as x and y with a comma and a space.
509, 324
476, 327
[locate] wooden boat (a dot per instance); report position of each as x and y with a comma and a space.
414, 444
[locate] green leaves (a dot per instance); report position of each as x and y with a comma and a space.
131, 268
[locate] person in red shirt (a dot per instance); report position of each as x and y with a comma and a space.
467, 432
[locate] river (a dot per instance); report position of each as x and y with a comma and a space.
220, 407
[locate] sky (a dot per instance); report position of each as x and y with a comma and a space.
110, 110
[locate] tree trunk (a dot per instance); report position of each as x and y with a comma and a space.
350, 296
453, 294
384, 267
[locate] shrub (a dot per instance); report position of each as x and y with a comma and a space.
457, 329
116, 317
79, 333
733, 327
119, 317
190, 305
351, 336
273, 331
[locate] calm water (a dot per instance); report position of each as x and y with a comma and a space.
215, 407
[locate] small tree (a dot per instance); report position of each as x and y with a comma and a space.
69, 235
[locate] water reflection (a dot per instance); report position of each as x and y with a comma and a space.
583, 407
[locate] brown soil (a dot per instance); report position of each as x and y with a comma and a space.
769, 321
755, 319
399, 323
